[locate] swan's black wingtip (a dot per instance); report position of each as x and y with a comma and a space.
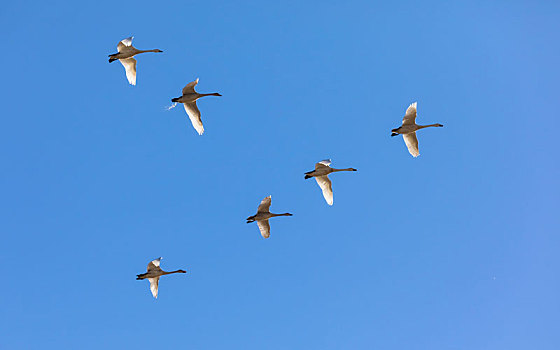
307, 177
394, 134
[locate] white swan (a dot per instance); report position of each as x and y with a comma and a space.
125, 55
408, 130
189, 102
321, 175
154, 272
262, 216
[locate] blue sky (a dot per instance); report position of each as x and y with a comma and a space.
457, 249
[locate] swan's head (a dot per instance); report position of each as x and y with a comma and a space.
440, 125
181, 271
158, 50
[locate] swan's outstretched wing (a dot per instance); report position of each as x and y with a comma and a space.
154, 265
412, 143
264, 207
410, 116
323, 163
264, 227
326, 186
123, 43
154, 282
194, 116
130, 68
189, 88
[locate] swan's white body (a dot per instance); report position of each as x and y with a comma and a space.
262, 216
188, 99
153, 273
321, 175
125, 55
408, 130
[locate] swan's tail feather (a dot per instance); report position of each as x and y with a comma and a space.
173, 105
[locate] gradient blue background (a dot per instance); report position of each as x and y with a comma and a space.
457, 249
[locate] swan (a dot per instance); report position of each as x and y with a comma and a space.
189, 102
321, 175
153, 274
125, 55
262, 216
408, 130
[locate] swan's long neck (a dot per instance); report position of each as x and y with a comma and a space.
153, 50
211, 94
176, 271
347, 169
284, 214
427, 126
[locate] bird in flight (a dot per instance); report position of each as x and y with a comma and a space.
321, 175
408, 130
154, 272
262, 216
125, 55
188, 99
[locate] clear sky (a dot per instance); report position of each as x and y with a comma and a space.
456, 249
